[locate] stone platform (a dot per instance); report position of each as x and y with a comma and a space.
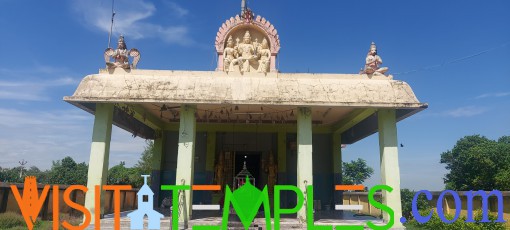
323, 218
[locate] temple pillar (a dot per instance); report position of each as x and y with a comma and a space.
390, 172
99, 156
156, 167
186, 160
220, 62
304, 154
337, 167
272, 67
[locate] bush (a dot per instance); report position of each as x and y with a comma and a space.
15, 221
407, 202
436, 223
10, 220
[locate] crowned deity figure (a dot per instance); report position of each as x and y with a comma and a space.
373, 62
265, 56
121, 56
229, 56
272, 171
219, 170
247, 53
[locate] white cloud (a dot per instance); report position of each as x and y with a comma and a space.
42, 137
467, 111
131, 20
33, 89
486, 95
178, 10
27, 84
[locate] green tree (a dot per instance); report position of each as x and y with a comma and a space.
121, 175
478, 163
10, 175
42, 176
407, 199
356, 172
144, 164
68, 172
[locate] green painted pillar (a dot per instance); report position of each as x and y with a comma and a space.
390, 172
186, 160
210, 158
156, 167
337, 166
282, 152
304, 154
99, 155
210, 152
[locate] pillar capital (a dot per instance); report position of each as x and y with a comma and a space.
305, 111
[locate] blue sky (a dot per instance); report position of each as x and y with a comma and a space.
454, 54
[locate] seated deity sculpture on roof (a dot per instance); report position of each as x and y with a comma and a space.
373, 62
245, 34
121, 56
247, 53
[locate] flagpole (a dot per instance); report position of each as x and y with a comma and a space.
111, 25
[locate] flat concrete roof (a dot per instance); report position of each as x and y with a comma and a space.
214, 87
333, 97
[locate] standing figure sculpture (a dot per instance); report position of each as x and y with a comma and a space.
373, 62
272, 171
219, 170
230, 56
121, 56
247, 53
265, 57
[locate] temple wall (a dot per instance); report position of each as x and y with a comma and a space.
254, 142
169, 165
322, 170
8, 203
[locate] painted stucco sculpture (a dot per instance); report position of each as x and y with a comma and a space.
265, 57
373, 62
272, 172
230, 56
219, 170
247, 53
262, 58
121, 56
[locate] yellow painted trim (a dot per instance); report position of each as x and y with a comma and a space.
351, 120
150, 120
251, 128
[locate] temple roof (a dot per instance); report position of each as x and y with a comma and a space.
214, 87
334, 98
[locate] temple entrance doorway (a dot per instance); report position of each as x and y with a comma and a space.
253, 164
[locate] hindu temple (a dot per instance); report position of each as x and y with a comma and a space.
282, 128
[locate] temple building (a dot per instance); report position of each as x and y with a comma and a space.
288, 128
